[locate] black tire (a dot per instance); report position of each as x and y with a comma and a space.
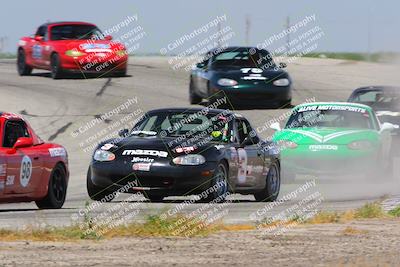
55, 65
285, 104
57, 190
193, 97
22, 67
95, 192
219, 181
272, 187
155, 198
119, 73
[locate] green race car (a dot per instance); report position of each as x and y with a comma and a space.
334, 138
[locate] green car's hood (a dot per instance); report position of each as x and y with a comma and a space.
325, 135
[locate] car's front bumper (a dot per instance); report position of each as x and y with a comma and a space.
162, 179
261, 94
95, 64
300, 161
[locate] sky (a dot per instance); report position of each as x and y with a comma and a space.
348, 26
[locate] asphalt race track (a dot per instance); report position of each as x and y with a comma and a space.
57, 109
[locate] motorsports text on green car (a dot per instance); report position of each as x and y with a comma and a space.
334, 138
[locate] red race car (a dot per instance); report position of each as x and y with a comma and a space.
63, 47
30, 169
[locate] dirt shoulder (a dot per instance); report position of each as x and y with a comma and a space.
370, 242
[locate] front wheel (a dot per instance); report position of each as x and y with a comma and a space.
95, 192
22, 67
57, 190
218, 189
272, 186
56, 70
193, 97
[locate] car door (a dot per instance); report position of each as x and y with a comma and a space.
250, 156
38, 46
24, 166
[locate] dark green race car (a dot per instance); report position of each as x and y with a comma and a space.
245, 76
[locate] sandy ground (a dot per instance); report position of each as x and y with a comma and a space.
369, 243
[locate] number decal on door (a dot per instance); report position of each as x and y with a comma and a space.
37, 51
242, 172
26, 171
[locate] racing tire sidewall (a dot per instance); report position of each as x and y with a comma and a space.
220, 182
56, 71
57, 190
22, 67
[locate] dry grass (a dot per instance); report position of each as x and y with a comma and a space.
182, 226
353, 231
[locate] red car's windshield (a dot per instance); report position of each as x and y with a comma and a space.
75, 32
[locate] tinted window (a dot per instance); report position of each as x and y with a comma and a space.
331, 119
76, 32
14, 130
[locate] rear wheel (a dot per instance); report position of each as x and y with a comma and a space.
272, 186
22, 67
218, 189
95, 192
193, 97
55, 64
57, 190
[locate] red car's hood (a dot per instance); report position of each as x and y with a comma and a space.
91, 45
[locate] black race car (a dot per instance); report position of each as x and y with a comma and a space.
385, 100
175, 152
247, 76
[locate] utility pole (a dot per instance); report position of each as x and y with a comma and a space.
2, 43
369, 35
248, 25
288, 35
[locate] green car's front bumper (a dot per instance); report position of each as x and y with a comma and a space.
303, 160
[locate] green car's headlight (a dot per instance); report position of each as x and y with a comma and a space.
121, 53
74, 53
281, 82
283, 144
360, 145
227, 82
103, 155
192, 159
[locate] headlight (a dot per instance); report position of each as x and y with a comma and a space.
227, 82
191, 159
281, 82
74, 53
360, 145
121, 53
102, 155
287, 144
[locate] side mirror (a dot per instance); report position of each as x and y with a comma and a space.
250, 140
108, 37
23, 142
38, 38
123, 133
275, 126
200, 65
386, 126
282, 65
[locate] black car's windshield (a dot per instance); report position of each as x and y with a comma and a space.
76, 32
379, 100
188, 125
243, 58
357, 118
